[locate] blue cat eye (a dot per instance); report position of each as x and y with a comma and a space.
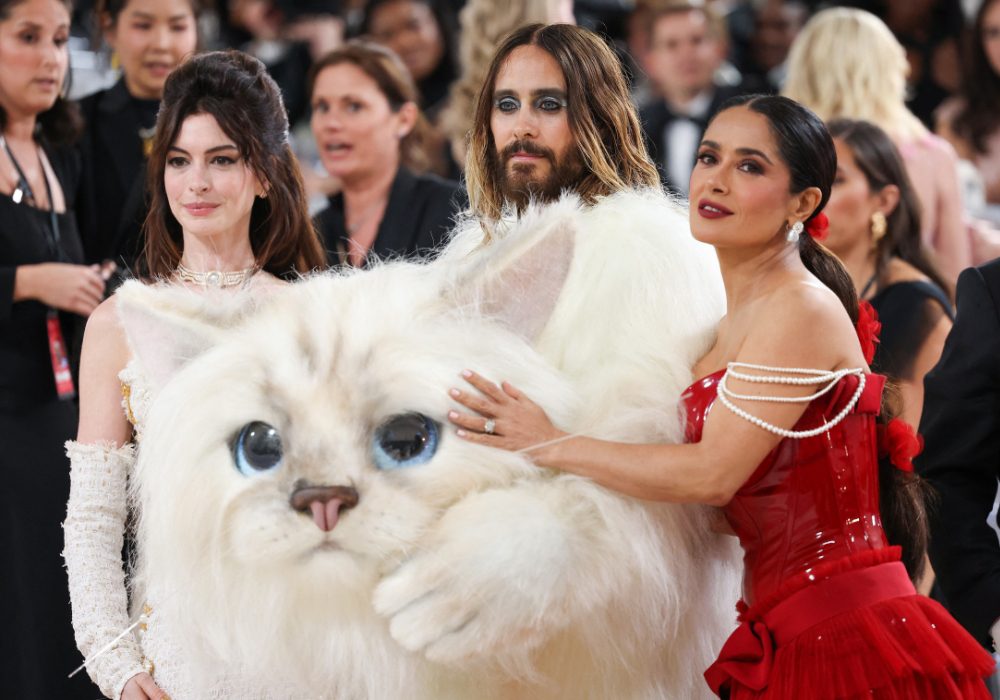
257, 448
405, 440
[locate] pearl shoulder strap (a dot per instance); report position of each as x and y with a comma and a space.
794, 376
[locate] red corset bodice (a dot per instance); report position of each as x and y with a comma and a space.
812, 501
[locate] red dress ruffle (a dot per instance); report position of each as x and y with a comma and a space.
808, 518
902, 648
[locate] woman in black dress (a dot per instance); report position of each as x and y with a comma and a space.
44, 290
150, 39
875, 230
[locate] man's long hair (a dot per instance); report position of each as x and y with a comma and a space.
602, 118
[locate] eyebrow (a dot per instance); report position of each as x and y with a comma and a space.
540, 92
740, 151
34, 26
139, 14
227, 147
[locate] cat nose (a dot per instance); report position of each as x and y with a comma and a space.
324, 502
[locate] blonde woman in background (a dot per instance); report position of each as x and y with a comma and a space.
483, 23
846, 63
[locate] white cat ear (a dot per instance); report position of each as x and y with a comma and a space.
167, 326
518, 277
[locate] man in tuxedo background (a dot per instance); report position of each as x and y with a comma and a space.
961, 460
687, 48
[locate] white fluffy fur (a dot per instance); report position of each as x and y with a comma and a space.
476, 575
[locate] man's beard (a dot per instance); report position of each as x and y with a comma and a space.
520, 186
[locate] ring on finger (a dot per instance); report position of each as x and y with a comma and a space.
490, 426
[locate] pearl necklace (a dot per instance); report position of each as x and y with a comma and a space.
805, 378
215, 279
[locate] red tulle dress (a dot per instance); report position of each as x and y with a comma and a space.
828, 610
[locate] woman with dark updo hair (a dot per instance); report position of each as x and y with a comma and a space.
790, 434
227, 211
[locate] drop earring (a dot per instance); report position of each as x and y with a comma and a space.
879, 227
794, 231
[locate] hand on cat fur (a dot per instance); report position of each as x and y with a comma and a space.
141, 687
518, 422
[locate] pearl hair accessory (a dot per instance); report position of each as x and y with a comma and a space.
808, 377
794, 231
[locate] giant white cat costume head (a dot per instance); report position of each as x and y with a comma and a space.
442, 569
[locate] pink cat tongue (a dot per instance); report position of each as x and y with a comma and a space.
325, 514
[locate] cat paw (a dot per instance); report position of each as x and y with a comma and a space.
482, 590
431, 611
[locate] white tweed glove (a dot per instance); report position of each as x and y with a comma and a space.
94, 532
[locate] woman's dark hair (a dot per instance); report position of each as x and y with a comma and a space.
881, 164
61, 123
807, 149
394, 82
237, 91
979, 115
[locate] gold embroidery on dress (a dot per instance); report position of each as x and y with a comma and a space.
127, 402
147, 663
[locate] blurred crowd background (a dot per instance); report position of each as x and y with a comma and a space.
683, 63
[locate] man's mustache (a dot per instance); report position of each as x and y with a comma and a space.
528, 147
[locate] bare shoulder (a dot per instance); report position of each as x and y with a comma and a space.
105, 354
935, 151
104, 335
803, 325
902, 271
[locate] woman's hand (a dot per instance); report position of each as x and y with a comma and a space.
505, 418
75, 288
141, 687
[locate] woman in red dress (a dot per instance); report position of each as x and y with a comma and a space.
792, 451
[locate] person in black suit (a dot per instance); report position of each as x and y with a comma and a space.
370, 135
961, 459
150, 38
687, 47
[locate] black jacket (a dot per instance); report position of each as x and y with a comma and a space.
418, 217
961, 459
656, 117
111, 204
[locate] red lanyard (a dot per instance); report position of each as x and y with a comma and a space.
57, 345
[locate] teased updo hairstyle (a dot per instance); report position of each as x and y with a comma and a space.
879, 161
237, 91
61, 123
389, 73
806, 148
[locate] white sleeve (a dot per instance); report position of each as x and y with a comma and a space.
94, 532
995, 632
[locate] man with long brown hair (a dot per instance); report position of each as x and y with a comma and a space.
554, 114
573, 243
